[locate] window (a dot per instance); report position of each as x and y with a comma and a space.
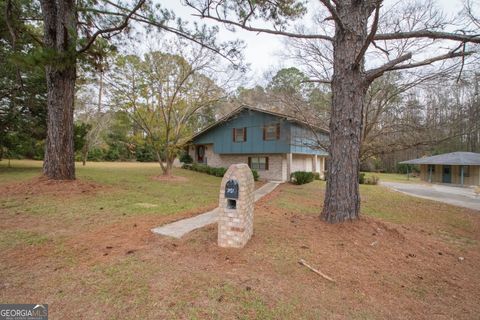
466, 171
431, 168
258, 163
239, 134
271, 132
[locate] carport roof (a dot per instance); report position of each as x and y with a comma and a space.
454, 158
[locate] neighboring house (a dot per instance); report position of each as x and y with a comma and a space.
274, 144
462, 168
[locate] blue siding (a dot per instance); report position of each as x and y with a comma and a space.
305, 141
221, 136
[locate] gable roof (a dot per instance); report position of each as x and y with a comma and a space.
454, 158
245, 107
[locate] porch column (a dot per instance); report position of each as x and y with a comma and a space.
461, 175
430, 173
315, 164
289, 165
322, 167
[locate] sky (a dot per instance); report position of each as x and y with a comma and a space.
263, 51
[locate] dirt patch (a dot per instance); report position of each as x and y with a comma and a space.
382, 270
170, 178
42, 186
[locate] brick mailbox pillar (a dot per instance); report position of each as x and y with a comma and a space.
235, 221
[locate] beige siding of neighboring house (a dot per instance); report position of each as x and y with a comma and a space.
437, 176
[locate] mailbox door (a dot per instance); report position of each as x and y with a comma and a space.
231, 189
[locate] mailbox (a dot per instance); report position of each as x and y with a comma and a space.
236, 199
231, 189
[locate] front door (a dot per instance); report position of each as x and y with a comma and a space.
447, 174
200, 154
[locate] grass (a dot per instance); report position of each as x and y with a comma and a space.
93, 253
448, 222
130, 191
394, 177
13, 238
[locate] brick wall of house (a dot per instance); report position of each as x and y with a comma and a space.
276, 170
277, 162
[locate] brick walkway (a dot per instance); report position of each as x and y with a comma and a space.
179, 228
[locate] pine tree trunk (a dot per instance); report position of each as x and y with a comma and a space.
60, 33
349, 87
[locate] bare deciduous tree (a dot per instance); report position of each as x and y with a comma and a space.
163, 94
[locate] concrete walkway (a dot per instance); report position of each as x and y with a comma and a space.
179, 228
457, 196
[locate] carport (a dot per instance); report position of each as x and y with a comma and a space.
462, 168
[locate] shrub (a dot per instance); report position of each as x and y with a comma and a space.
256, 176
200, 167
218, 172
361, 178
186, 158
113, 154
301, 177
145, 153
316, 175
96, 154
373, 180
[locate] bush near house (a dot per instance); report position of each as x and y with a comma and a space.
301, 177
186, 158
218, 172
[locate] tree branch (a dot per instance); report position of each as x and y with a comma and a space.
140, 18
317, 81
333, 12
475, 38
263, 30
377, 72
121, 26
370, 36
431, 60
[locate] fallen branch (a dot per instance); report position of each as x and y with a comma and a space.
320, 273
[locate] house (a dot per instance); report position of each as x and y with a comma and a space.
274, 144
462, 168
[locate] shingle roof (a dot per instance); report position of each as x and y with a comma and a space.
454, 158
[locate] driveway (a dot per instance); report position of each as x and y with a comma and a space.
457, 196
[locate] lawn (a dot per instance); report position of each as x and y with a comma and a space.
86, 249
394, 177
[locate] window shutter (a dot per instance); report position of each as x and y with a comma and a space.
250, 162
244, 134
266, 163
278, 131
233, 135
264, 132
